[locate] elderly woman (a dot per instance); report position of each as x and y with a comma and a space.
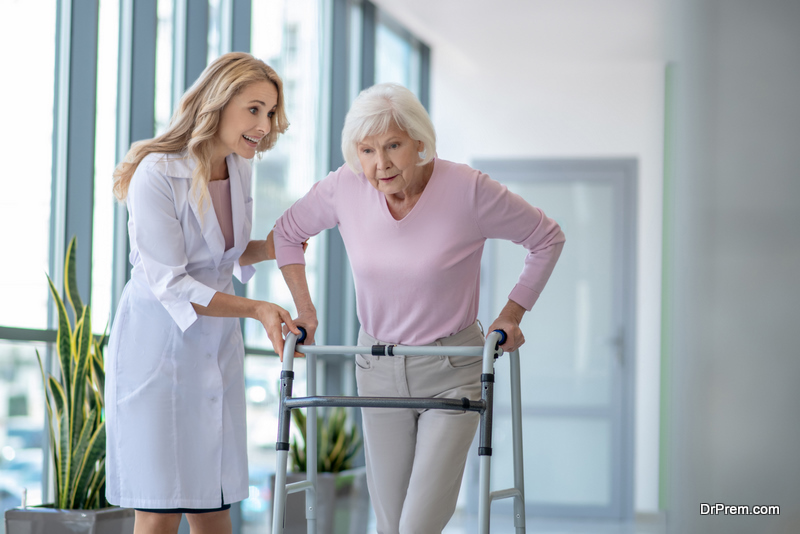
414, 227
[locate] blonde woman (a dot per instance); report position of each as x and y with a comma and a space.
175, 402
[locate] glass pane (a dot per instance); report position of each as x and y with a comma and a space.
215, 23
28, 135
567, 459
397, 59
104, 163
262, 387
22, 423
164, 64
570, 333
354, 61
286, 36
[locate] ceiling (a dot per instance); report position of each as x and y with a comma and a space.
537, 30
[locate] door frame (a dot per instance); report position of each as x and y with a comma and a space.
622, 173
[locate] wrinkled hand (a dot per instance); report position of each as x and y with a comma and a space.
508, 321
308, 320
274, 318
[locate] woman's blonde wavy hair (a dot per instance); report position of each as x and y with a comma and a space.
194, 124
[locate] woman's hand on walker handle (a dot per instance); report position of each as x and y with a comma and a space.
308, 320
508, 321
273, 317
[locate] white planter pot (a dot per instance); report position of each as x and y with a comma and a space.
45, 520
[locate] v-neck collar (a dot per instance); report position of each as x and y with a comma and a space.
182, 166
417, 206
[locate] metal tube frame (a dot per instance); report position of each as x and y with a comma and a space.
490, 352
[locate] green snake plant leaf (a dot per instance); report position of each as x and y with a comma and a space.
71, 279
53, 443
64, 337
78, 382
300, 421
75, 400
95, 451
97, 487
77, 458
298, 456
98, 371
65, 444
336, 447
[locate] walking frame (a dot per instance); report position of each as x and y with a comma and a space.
490, 351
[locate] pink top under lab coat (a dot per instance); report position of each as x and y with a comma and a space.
418, 279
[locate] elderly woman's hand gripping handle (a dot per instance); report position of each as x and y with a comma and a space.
508, 321
295, 276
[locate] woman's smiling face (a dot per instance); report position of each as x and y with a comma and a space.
390, 159
246, 119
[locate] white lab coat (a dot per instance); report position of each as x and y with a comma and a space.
174, 391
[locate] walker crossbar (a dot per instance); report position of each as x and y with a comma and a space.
490, 352
463, 404
396, 350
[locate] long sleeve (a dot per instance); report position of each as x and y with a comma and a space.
307, 217
502, 214
158, 238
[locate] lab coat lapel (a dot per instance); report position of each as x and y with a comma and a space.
209, 225
212, 233
237, 205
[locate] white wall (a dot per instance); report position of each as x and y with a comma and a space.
496, 98
734, 262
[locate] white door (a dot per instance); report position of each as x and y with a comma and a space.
577, 363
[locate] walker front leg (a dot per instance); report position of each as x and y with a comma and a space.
491, 350
282, 445
516, 429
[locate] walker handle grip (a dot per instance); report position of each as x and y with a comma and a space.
503, 337
303, 334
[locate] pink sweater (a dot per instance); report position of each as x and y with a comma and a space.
418, 279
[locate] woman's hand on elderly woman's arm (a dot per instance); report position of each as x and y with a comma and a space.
259, 250
508, 321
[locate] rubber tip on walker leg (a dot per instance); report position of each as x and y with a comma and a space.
484, 451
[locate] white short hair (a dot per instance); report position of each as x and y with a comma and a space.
374, 111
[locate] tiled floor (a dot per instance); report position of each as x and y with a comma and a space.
503, 524
463, 523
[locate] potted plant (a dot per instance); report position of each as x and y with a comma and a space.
77, 429
342, 497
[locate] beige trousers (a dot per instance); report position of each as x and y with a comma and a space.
415, 458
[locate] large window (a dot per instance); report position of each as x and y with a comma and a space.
60, 179
397, 55
105, 159
22, 423
286, 35
25, 206
27, 141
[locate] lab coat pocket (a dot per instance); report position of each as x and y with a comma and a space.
147, 347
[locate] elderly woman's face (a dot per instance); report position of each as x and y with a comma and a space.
390, 161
